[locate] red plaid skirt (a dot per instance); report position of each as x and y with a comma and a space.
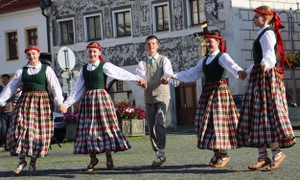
264, 114
31, 130
98, 129
216, 117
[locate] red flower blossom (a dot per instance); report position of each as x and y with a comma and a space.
125, 110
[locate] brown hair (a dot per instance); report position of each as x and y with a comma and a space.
151, 37
94, 43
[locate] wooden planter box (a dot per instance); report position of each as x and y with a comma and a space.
133, 127
71, 131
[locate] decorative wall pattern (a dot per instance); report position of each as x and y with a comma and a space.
177, 14
212, 10
182, 51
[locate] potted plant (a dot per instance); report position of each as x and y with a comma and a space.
131, 119
71, 120
293, 59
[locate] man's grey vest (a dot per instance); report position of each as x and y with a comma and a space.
156, 92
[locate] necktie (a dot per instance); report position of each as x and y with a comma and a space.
151, 60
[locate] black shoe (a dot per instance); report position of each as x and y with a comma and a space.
13, 154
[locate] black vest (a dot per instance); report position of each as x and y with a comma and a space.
213, 71
257, 50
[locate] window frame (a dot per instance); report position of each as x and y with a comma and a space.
28, 37
155, 22
10, 55
60, 35
190, 13
86, 27
115, 25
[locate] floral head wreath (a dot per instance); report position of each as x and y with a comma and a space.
97, 47
223, 46
277, 24
31, 48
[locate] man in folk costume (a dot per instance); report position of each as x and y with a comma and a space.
264, 120
157, 96
31, 130
216, 116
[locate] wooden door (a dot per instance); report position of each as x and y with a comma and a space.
186, 102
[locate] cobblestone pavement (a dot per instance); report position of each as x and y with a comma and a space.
184, 161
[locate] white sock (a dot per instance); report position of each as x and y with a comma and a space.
161, 152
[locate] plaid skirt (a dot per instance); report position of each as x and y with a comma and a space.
32, 127
98, 129
264, 114
216, 117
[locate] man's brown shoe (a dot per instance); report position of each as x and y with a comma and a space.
222, 162
259, 164
160, 162
276, 163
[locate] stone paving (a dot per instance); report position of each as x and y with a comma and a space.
184, 161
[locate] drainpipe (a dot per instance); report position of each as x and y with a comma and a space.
45, 4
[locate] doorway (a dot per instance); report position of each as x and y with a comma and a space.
186, 103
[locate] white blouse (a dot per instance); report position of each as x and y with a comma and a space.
14, 84
196, 72
267, 42
109, 69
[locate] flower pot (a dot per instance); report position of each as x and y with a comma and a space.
133, 127
71, 131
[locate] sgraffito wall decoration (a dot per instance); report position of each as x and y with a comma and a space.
182, 51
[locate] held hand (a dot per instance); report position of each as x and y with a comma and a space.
62, 108
264, 67
166, 79
142, 83
242, 75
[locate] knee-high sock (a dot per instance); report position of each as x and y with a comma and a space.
262, 153
276, 151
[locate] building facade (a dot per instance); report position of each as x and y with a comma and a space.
21, 24
122, 26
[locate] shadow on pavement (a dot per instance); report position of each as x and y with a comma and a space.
126, 170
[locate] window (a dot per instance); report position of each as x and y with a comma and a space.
93, 28
196, 12
162, 17
12, 39
32, 37
123, 24
66, 32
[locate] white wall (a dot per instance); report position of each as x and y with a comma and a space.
239, 32
20, 21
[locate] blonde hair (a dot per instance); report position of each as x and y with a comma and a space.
268, 9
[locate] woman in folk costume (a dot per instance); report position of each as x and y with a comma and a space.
98, 129
216, 116
31, 130
264, 120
